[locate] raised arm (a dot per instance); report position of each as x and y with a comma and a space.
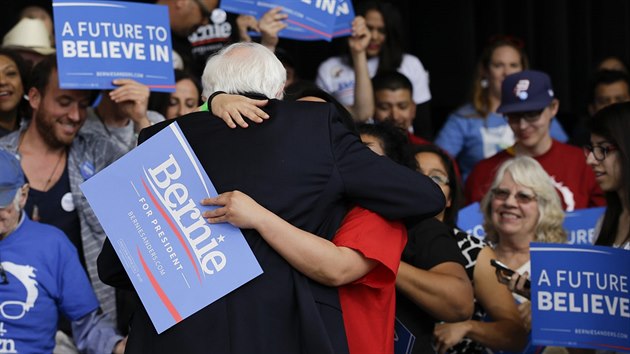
316, 257
133, 100
270, 24
363, 107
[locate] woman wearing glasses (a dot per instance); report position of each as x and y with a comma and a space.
495, 324
521, 207
608, 156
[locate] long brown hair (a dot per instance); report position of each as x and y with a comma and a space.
613, 124
480, 94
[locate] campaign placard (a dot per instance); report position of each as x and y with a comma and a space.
403, 338
148, 204
580, 296
579, 224
99, 41
307, 20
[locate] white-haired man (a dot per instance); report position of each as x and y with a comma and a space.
306, 167
40, 277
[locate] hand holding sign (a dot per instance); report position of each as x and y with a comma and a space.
306, 19
98, 41
132, 99
272, 22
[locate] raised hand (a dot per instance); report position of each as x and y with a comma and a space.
360, 38
270, 24
132, 99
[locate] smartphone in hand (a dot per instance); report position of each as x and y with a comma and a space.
505, 274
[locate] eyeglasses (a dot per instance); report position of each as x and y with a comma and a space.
529, 117
599, 152
504, 194
204, 9
439, 180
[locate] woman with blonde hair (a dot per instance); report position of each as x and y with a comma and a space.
521, 207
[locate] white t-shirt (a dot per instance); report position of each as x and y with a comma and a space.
337, 78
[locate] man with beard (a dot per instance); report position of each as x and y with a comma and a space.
56, 159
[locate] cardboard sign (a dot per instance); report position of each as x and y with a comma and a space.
580, 296
99, 41
308, 19
148, 205
403, 338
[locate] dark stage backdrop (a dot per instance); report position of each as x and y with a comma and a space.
565, 38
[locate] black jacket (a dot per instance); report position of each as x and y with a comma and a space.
306, 167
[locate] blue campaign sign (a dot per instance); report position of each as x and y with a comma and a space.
147, 203
470, 220
580, 296
99, 41
579, 224
403, 338
308, 19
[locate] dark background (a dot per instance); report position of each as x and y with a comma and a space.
565, 38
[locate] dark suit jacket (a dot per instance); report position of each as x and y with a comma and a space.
305, 166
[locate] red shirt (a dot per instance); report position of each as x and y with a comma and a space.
369, 303
416, 140
573, 178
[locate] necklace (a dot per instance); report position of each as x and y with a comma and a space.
52, 174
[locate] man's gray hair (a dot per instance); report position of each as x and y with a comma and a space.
244, 67
17, 200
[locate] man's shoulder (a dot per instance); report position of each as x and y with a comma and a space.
10, 141
564, 148
44, 235
95, 147
483, 172
491, 162
91, 140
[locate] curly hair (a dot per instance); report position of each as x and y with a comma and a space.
527, 172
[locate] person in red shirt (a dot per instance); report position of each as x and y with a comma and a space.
393, 102
528, 103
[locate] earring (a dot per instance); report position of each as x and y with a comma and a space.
483, 83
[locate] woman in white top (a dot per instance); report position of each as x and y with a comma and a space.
336, 75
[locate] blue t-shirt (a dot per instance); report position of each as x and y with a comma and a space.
470, 139
45, 278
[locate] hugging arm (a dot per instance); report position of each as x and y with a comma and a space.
314, 256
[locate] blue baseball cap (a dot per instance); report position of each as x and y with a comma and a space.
11, 177
525, 91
